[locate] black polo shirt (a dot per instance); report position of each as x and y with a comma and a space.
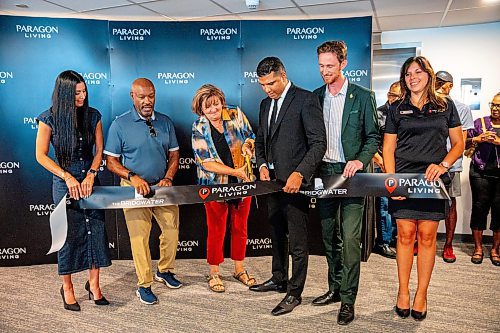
421, 134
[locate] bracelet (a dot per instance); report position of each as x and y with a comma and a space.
168, 178
63, 176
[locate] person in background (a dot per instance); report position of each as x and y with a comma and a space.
416, 131
484, 178
142, 150
75, 131
221, 138
386, 226
444, 84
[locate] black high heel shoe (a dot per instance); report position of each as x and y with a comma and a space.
403, 313
70, 307
418, 316
100, 301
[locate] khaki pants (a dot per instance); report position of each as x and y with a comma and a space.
139, 227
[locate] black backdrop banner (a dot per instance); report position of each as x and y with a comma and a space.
178, 57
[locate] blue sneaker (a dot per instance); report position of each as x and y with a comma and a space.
169, 279
146, 296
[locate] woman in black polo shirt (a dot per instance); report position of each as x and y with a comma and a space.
417, 127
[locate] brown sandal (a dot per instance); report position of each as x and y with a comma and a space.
217, 286
495, 259
249, 281
477, 258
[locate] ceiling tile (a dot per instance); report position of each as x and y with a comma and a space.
37, 6
280, 14
472, 16
342, 9
132, 13
239, 6
463, 4
404, 7
89, 4
320, 2
186, 8
404, 22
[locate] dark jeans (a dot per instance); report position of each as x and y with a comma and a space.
485, 196
341, 230
386, 225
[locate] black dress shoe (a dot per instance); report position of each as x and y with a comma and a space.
403, 313
385, 251
269, 285
286, 305
100, 301
328, 298
346, 314
70, 307
418, 316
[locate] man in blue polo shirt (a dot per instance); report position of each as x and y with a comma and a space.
142, 149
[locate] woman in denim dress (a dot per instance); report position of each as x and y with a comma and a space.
75, 131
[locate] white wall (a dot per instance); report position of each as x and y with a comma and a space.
471, 51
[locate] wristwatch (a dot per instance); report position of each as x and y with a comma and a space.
130, 175
445, 165
92, 171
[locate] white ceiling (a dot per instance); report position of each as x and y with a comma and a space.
387, 14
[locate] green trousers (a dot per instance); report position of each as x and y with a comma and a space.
341, 229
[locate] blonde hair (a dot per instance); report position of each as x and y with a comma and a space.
203, 96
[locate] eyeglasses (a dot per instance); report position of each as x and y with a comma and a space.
152, 130
494, 106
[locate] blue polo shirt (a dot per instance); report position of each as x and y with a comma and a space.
130, 138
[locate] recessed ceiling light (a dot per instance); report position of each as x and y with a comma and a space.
22, 5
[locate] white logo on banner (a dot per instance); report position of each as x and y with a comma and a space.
175, 78
355, 75
7, 253
9, 167
37, 31
305, 33
94, 78
42, 209
251, 76
31, 122
218, 33
186, 245
186, 162
260, 243
4, 76
131, 34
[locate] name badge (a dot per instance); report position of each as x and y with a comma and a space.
406, 112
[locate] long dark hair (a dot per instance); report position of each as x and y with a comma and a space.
69, 121
430, 92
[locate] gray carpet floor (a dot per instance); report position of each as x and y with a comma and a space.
462, 297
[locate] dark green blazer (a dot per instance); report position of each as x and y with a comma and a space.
360, 134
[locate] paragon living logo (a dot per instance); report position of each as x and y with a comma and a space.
37, 31
259, 243
9, 167
5, 76
30, 122
251, 77
9, 253
42, 209
134, 34
355, 75
218, 33
175, 78
94, 78
305, 33
186, 163
187, 245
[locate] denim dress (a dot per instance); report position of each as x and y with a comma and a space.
86, 241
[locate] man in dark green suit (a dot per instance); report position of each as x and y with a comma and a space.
349, 112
